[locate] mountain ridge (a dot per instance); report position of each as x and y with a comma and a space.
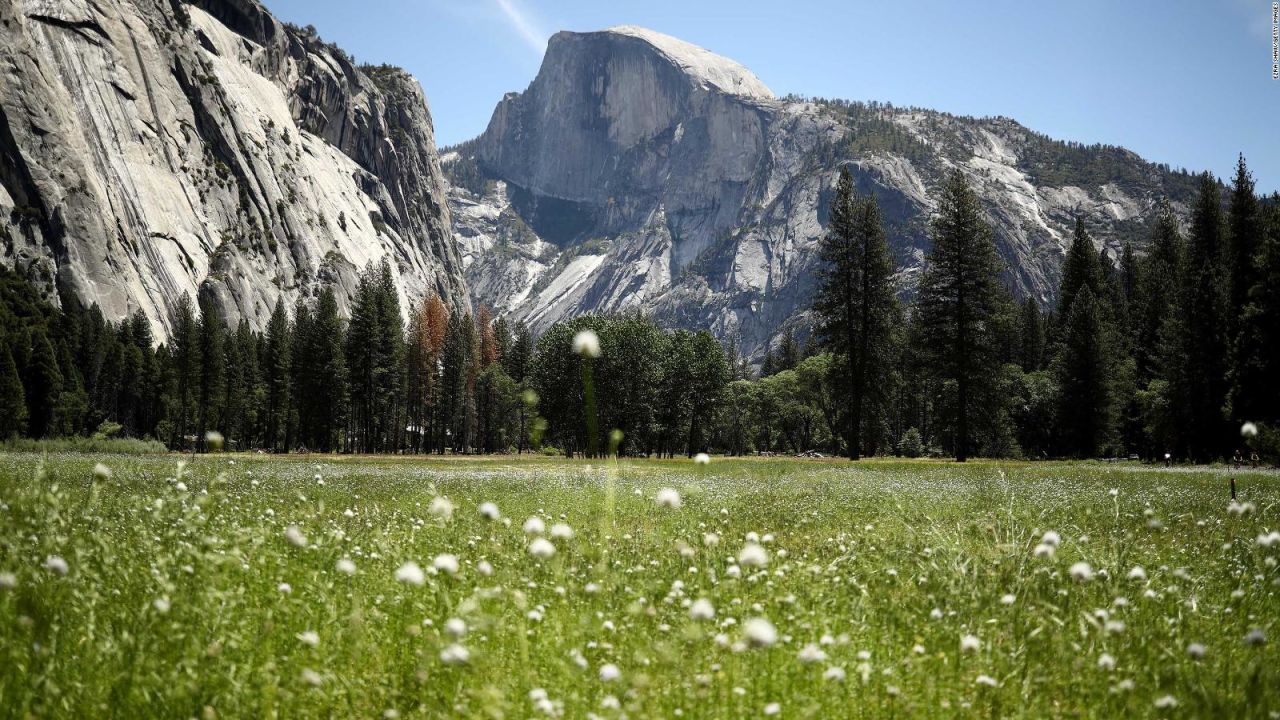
634, 185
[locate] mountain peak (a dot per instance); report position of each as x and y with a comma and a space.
709, 68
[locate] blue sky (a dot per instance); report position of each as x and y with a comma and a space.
1180, 81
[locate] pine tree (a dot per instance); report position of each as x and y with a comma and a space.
212, 366
43, 384
1032, 335
518, 363
1244, 222
1084, 412
788, 352
1081, 269
13, 406
1243, 239
235, 389
184, 364
302, 372
958, 299
1255, 378
769, 365
1196, 357
1157, 292
327, 383
856, 306
277, 361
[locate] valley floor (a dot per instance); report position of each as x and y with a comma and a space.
243, 586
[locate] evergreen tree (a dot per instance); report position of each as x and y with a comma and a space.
327, 383
277, 362
302, 373
1245, 238
788, 352
236, 390
212, 366
13, 406
1032, 335
1255, 378
1080, 269
958, 299
518, 362
43, 385
1085, 408
769, 365
184, 364
856, 306
1195, 356
1157, 292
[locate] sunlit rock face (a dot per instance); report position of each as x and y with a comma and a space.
154, 148
640, 172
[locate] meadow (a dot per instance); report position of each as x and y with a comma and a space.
251, 586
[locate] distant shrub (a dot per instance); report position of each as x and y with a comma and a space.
550, 451
911, 445
95, 444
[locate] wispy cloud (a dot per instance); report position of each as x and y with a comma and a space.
524, 25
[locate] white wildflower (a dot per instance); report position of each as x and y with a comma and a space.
534, 526
753, 555
455, 654
811, 653
411, 574
295, 536
1081, 572
702, 609
759, 632
542, 548
56, 565
609, 672
587, 344
701, 459
441, 507
446, 563
668, 498
310, 638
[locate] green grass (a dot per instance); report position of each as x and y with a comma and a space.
860, 557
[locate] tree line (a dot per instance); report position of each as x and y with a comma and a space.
1170, 351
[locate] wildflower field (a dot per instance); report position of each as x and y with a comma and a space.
241, 586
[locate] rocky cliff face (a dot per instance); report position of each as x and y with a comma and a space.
638, 171
151, 148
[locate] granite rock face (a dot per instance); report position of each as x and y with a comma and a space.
151, 148
638, 171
